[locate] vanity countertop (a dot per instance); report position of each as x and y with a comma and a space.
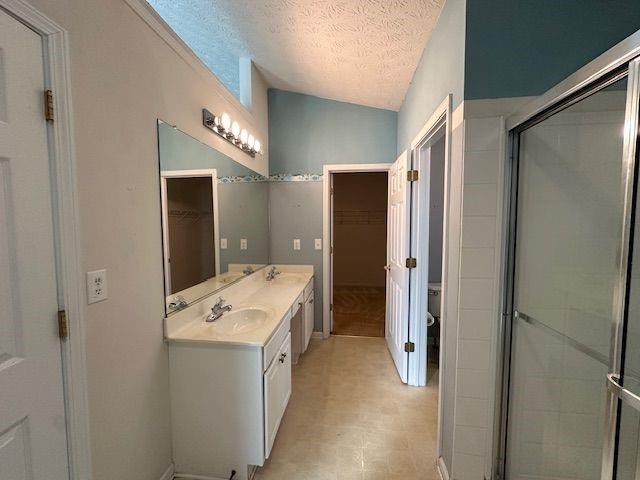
259, 307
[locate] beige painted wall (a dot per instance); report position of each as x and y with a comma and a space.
124, 77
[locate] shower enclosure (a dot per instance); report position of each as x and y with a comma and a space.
569, 407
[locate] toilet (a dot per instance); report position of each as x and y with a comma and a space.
435, 297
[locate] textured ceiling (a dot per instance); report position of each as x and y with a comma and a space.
359, 51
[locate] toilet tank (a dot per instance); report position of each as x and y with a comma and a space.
435, 297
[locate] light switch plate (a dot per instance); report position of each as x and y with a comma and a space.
223, 243
97, 286
243, 244
318, 244
296, 244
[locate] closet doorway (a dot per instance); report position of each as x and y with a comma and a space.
359, 253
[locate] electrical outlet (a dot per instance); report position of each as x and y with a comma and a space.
296, 244
243, 244
97, 286
223, 243
318, 244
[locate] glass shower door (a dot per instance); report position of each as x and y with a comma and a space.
566, 261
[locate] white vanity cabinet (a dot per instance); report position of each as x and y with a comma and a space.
227, 402
308, 315
277, 391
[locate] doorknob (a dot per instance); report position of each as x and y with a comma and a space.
387, 267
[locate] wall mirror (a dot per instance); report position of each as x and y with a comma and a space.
215, 218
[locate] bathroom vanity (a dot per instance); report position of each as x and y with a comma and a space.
231, 378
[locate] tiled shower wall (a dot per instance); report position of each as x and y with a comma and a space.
478, 300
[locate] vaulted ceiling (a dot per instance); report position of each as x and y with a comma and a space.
358, 51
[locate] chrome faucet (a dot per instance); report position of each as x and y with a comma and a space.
178, 303
248, 270
217, 310
272, 273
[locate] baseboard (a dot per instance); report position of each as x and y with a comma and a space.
168, 473
442, 469
317, 335
186, 476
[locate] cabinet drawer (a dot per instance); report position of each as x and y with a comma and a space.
273, 345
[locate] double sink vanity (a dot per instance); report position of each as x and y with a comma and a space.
234, 322
231, 377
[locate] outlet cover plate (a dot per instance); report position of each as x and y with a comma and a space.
318, 244
296, 244
97, 286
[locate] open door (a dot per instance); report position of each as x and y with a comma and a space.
398, 238
331, 233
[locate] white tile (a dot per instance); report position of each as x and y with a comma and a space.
479, 231
482, 134
477, 263
471, 412
476, 293
474, 354
468, 467
482, 167
473, 384
476, 324
480, 200
470, 440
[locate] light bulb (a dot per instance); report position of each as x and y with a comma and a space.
256, 146
216, 123
250, 141
225, 121
235, 129
244, 136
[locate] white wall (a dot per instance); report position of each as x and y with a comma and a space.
124, 77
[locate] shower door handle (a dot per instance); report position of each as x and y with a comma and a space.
624, 394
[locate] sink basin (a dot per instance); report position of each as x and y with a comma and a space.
287, 278
242, 320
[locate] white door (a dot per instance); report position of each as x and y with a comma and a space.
397, 315
32, 421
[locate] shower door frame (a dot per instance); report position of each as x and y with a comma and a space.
623, 60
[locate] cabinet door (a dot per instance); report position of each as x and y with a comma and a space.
308, 320
277, 390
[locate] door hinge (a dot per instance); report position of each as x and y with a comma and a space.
63, 325
412, 175
409, 347
411, 262
48, 106
331, 249
331, 307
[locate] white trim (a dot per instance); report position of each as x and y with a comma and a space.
168, 473
148, 14
327, 171
207, 172
442, 469
441, 118
62, 151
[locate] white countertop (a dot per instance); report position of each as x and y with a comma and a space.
275, 297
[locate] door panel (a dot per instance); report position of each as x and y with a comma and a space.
397, 315
566, 265
32, 422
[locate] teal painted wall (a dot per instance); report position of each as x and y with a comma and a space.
519, 48
306, 132
440, 72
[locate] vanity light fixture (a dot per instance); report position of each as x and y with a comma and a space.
232, 132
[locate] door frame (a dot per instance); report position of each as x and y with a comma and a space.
581, 83
67, 230
197, 173
419, 277
327, 222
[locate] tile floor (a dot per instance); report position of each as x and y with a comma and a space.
358, 311
350, 417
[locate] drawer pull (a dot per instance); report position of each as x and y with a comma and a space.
282, 357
